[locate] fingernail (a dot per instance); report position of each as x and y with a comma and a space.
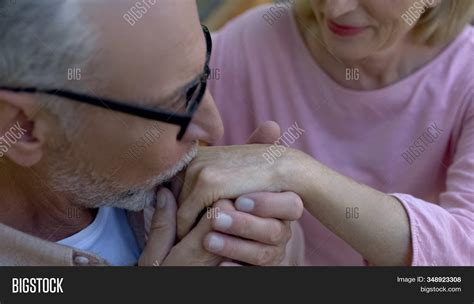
223, 221
216, 243
161, 199
244, 204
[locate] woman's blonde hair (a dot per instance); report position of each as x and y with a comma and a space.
436, 26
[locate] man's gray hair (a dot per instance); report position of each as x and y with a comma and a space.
43, 43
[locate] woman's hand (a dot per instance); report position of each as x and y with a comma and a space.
260, 234
381, 234
229, 172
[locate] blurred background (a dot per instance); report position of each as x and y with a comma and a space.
215, 13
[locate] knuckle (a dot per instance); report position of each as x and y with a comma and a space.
191, 172
243, 225
223, 204
206, 176
230, 250
277, 233
298, 206
161, 226
280, 255
265, 256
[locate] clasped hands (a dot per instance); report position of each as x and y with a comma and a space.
253, 228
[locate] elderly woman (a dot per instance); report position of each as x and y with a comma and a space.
375, 99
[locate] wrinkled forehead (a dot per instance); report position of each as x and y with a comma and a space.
151, 45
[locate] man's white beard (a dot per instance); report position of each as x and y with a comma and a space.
86, 189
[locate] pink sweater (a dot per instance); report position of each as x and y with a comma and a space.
413, 139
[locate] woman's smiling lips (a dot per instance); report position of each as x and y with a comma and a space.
344, 30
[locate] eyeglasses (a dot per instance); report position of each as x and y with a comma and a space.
181, 116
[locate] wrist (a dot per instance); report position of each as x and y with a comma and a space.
296, 171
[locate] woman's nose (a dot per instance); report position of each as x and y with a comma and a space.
207, 124
337, 8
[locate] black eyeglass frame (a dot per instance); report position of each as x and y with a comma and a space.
182, 120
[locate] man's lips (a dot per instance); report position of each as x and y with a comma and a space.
344, 30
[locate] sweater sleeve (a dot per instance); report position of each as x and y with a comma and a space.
442, 233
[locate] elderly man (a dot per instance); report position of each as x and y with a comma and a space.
101, 103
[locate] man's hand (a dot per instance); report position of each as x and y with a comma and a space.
160, 249
267, 222
252, 235
255, 232
231, 171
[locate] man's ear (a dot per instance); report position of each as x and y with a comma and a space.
22, 136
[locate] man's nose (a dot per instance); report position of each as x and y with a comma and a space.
206, 124
337, 8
